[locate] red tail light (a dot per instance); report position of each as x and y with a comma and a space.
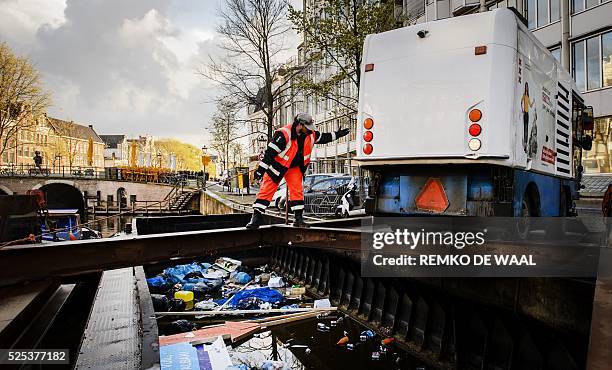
475, 129
368, 148
368, 136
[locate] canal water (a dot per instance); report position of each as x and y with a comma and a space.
107, 225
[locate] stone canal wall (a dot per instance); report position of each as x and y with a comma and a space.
213, 204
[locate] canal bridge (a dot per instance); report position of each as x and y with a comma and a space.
80, 193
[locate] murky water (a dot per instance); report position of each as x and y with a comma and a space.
107, 225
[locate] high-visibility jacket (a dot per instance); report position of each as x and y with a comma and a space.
283, 148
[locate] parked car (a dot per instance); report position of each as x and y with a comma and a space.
323, 197
278, 200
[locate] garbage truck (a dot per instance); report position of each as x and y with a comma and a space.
469, 115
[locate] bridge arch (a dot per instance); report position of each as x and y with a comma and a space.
5, 191
62, 194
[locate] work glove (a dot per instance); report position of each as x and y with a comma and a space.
259, 173
342, 132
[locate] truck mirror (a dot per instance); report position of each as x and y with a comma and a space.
586, 143
587, 119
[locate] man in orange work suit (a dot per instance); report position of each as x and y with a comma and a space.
288, 156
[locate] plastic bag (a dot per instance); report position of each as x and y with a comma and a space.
269, 295
160, 302
276, 282
205, 305
177, 273
192, 275
180, 326
176, 305
241, 278
158, 284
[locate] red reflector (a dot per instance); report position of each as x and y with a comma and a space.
432, 197
480, 50
369, 67
368, 136
368, 148
475, 129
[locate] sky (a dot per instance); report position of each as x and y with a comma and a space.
125, 67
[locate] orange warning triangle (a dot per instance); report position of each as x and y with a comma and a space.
432, 197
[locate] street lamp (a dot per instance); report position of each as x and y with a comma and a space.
204, 151
159, 159
58, 160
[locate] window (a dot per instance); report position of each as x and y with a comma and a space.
580, 5
592, 62
606, 59
531, 13
593, 68
599, 158
557, 54
577, 6
542, 12
578, 67
539, 13
554, 10
321, 186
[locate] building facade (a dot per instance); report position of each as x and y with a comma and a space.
116, 150
60, 143
590, 51
142, 152
75, 145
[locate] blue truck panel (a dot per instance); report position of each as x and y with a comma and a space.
472, 190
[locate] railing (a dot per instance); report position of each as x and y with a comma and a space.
184, 179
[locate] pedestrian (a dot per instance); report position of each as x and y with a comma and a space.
38, 160
287, 156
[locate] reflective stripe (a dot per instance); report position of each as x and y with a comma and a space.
263, 165
273, 146
287, 133
333, 134
297, 207
307, 157
274, 171
260, 206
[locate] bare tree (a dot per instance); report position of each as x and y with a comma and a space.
224, 130
22, 97
334, 33
253, 33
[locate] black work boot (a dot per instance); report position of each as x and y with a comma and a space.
256, 220
299, 218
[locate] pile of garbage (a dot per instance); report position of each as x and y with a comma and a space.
225, 288
224, 285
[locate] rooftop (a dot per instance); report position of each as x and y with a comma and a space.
72, 129
112, 141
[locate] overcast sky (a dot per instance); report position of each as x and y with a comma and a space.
127, 67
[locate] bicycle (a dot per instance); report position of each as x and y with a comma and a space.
325, 206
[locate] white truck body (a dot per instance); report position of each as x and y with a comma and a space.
421, 90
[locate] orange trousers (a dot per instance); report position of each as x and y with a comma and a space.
293, 178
